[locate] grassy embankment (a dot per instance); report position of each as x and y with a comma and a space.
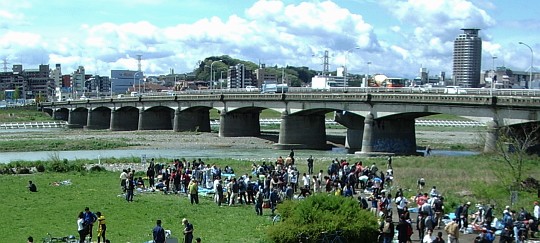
54, 208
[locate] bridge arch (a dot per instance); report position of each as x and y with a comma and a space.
98, 118
125, 118
156, 118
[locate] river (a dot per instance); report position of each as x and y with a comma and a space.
171, 153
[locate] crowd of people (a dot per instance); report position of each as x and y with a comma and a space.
270, 183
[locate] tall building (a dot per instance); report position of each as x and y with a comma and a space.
239, 77
77, 82
122, 80
467, 58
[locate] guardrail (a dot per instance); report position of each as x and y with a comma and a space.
30, 125
419, 122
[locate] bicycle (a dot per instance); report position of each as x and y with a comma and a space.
64, 239
335, 237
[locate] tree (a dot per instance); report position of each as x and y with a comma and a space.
323, 212
514, 146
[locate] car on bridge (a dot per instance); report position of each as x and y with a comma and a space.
454, 90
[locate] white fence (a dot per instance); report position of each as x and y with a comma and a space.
32, 125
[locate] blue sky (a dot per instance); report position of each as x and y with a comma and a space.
396, 36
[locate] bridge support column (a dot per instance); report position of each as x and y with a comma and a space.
239, 124
367, 141
355, 129
77, 119
191, 120
302, 132
124, 120
492, 135
98, 119
388, 136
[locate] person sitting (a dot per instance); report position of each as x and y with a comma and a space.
228, 170
160, 185
140, 183
32, 187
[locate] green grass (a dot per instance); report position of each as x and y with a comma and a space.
23, 114
54, 208
60, 144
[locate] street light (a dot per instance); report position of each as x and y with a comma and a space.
367, 75
221, 80
345, 66
134, 75
532, 60
494, 72
211, 72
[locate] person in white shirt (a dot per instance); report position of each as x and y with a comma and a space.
536, 210
428, 238
305, 180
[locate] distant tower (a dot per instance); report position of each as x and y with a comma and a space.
139, 57
5, 62
467, 58
325, 63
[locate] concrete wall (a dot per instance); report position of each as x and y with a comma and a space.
302, 131
77, 118
236, 124
156, 118
124, 119
98, 118
192, 120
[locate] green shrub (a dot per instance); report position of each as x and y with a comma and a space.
23, 170
40, 167
97, 168
324, 213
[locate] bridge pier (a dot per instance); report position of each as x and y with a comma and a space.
98, 119
191, 121
388, 136
355, 129
60, 115
302, 132
124, 120
239, 124
492, 136
77, 118
155, 119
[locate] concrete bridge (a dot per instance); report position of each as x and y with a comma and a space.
375, 122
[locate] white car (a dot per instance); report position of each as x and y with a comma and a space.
454, 90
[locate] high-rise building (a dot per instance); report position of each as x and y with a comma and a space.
467, 59
239, 77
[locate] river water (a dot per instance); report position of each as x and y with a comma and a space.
188, 153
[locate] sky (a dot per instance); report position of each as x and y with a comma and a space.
397, 37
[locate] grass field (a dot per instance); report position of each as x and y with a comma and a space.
54, 208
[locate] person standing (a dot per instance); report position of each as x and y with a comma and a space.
188, 231
259, 202
102, 227
310, 165
130, 188
404, 230
219, 192
89, 220
158, 233
386, 230
452, 229
81, 229
193, 189
150, 173
439, 238
123, 178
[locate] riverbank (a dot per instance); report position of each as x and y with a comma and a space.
467, 140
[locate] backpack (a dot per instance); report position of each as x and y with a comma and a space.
409, 230
387, 228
